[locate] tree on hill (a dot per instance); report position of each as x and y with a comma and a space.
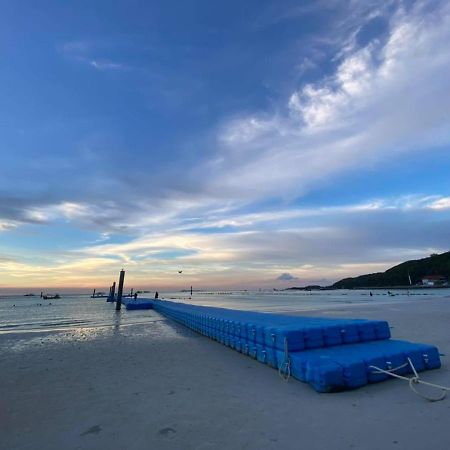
399, 275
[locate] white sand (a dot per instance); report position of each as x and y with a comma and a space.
161, 386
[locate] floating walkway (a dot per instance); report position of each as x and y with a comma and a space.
137, 303
330, 354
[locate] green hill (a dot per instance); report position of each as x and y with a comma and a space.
398, 275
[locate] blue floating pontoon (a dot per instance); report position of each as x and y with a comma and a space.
329, 354
137, 303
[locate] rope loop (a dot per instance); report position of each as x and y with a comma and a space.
413, 381
285, 371
285, 367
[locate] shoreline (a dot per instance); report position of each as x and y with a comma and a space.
384, 288
159, 385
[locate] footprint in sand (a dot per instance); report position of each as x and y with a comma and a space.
93, 430
166, 431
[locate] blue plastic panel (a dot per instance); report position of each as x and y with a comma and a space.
329, 354
350, 365
138, 303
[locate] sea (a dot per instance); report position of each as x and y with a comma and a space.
23, 314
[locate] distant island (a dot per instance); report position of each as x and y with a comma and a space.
433, 271
311, 287
430, 272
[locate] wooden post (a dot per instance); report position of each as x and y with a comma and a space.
113, 292
131, 293
120, 290
191, 291
93, 294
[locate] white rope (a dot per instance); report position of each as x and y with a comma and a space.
391, 370
284, 370
413, 381
285, 367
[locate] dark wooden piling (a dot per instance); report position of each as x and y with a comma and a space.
120, 290
113, 291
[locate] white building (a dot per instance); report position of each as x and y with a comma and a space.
434, 280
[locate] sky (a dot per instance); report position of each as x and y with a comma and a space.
256, 144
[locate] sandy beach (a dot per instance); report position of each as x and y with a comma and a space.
265, 157
161, 386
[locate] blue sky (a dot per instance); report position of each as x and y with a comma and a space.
249, 144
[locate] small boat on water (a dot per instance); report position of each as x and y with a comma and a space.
98, 294
51, 297
29, 295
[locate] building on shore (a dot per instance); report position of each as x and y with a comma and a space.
434, 280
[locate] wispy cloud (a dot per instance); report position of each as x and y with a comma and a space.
280, 13
107, 65
384, 98
90, 54
335, 244
388, 231
440, 204
225, 206
7, 226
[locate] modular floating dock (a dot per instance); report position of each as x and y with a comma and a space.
330, 354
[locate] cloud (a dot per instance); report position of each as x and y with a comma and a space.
7, 226
442, 203
230, 218
331, 243
325, 106
227, 214
383, 99
107, 65
90, 53
287, 277
339, 241
280, 13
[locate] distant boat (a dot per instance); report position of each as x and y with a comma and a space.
50, 297
130, 295
29, 295
99, 295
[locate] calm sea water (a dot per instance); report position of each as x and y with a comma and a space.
33, 314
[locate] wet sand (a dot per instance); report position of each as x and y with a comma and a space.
162, 386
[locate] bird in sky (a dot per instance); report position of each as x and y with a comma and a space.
180, 271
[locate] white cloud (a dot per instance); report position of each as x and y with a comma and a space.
442, 203
7, 225
88, 53
322, 106
247, 129
388, 97
51, 212
312, 243
107, 65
